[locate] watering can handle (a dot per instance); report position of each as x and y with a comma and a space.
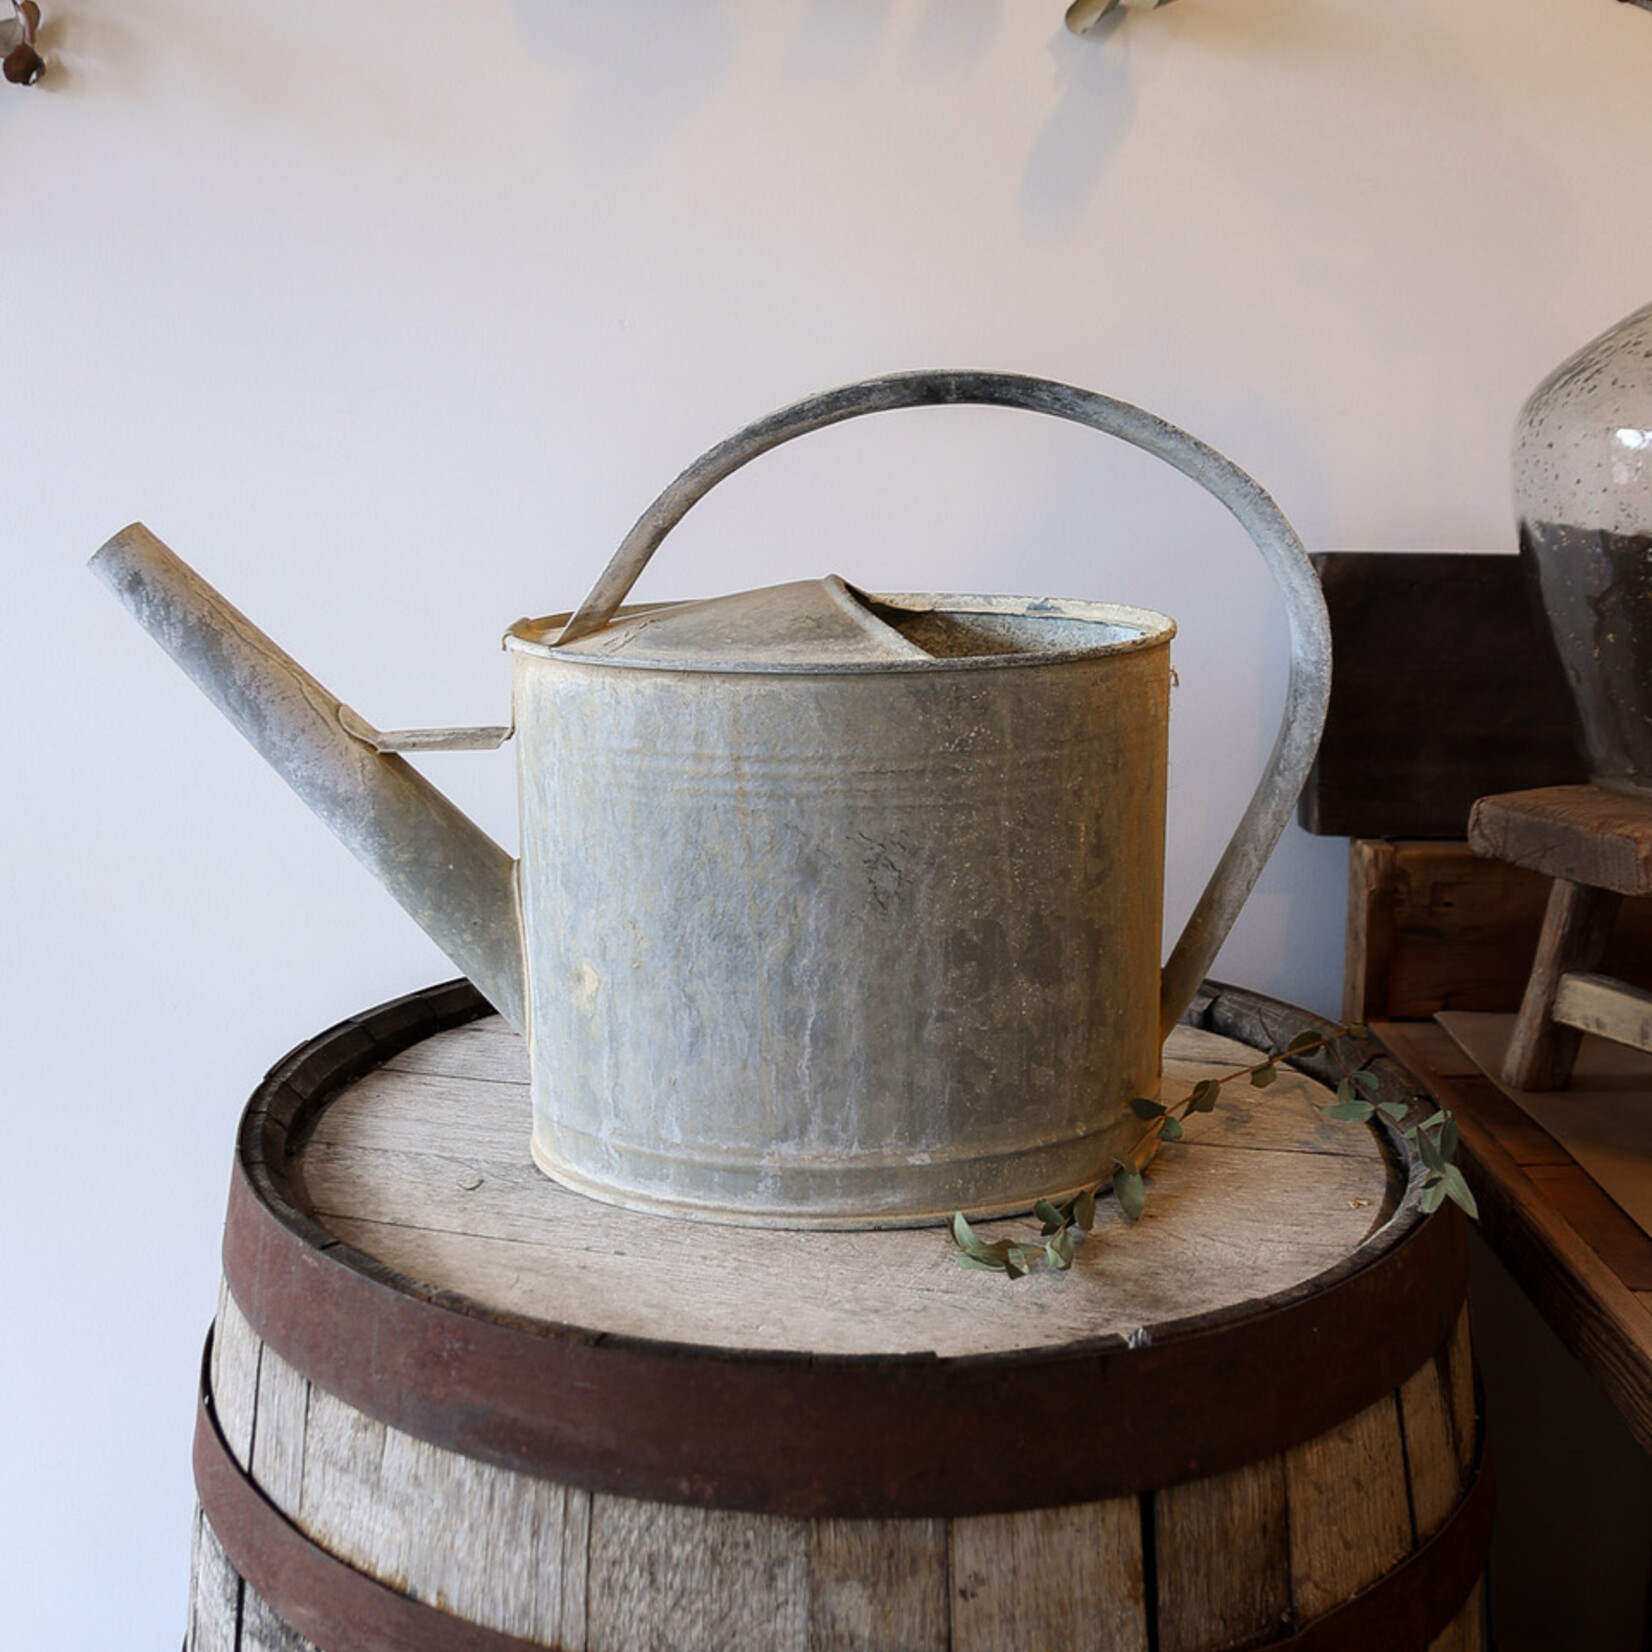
1309, 687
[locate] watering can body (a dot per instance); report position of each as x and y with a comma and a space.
849, 931
831, 910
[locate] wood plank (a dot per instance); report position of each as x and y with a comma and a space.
1580, 833
1598, 1221
1350, 1514
488, 1545
278, 1446
1222, 1225
263, 1631
1576, 924
234, 1376
878, 1586
401, 1112
1067, 1577
674, 1579
1223, 1559
1434, 1057
214, 1594
1433, 926
1521, 1136
1283, 1116
1603, 1118
1595, 1314
488, 1050
430, 1175
1457, 1376
1430, 1450
1597, 1004
1425, 1044
1446, 688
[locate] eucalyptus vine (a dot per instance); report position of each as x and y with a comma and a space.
1358, 1101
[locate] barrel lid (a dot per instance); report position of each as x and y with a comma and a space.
828, 624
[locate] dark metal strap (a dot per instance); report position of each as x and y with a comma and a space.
326, 1600
342, 1609
1408, 1608
856, 1437
896, 1436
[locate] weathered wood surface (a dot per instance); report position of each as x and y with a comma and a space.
1264, 1194
1584, 1264
1446, 689
1542, 1051
1433, 926
1241, 1555
423, 1165
1580, 833
1597, 1004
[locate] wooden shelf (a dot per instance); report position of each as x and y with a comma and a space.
1584, 1263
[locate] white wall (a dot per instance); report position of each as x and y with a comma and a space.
390, 317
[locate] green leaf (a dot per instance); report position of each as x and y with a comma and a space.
1448, 1139
1428, 1150
1357, 1030
1127, 1184
1433, 1196
1346, 1091
1303, 1042
1058, 1252
1349, 1110
1205, 1092
974, 1246
1367, 1081
979, 1262
1015, 1267
1084, 1209
1171, 1130
1052, 1218
1393, 1111
1264, 1076
1434, 1120
1143, 1108
1457, 1190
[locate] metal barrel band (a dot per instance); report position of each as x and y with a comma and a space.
342, 1609
325, 1599
854, 1437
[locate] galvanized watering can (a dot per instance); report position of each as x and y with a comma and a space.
833, 910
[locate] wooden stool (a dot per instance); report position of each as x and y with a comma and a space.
450, 1406
1597, 846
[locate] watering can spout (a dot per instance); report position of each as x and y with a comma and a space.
453, 879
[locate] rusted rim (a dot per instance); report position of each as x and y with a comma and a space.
905, 1435
341, 1609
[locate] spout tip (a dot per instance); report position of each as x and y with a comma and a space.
134, 536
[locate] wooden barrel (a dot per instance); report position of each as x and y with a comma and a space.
447, 1404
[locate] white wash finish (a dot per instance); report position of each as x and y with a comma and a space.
423, 1165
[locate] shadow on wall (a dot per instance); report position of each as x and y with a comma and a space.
639, 85
837, 39
1096, 110
640, 76
952, 36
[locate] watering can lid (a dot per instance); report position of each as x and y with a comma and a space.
808, 622
827, 623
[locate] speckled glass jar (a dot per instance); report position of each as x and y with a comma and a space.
1583, 492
